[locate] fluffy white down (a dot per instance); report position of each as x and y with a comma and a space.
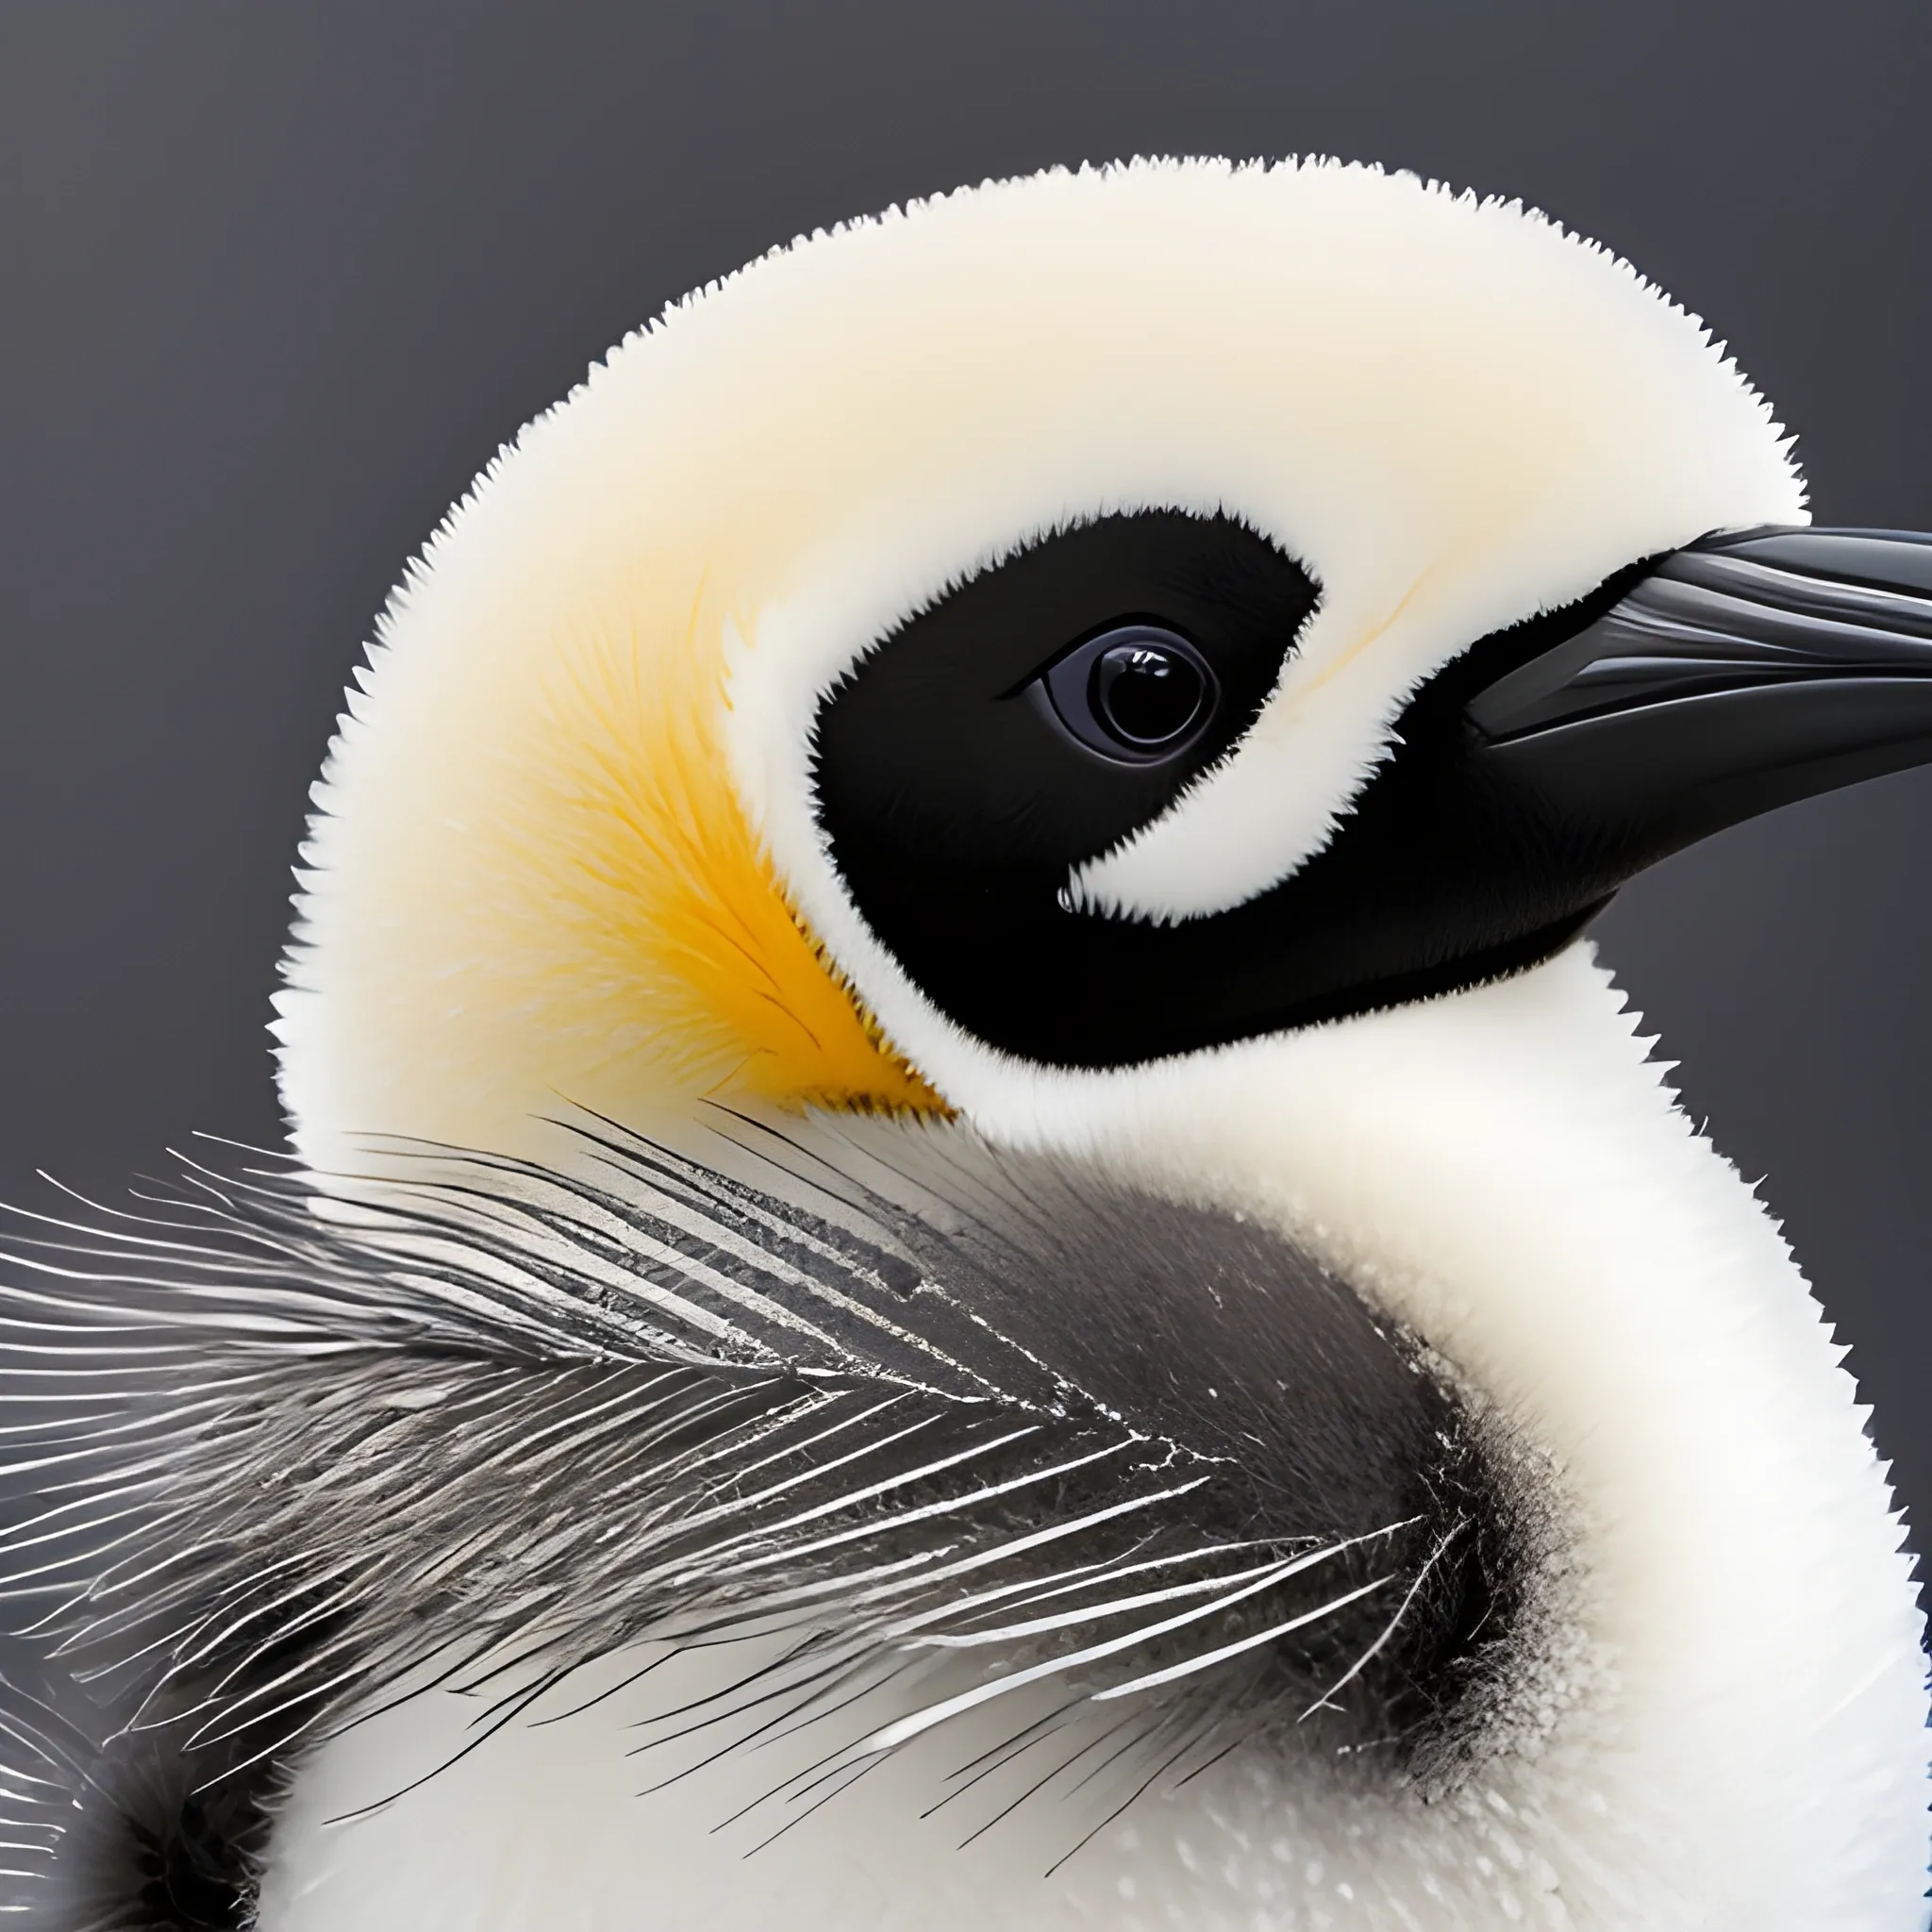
1507, 1169
1452, 411
1455, 414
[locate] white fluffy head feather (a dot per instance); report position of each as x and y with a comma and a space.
1452, 411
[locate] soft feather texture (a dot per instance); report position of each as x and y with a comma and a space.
1505, 1172
1455, 414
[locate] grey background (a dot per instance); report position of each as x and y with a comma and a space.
278, 278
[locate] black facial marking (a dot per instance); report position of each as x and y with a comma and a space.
961, 786
967, 765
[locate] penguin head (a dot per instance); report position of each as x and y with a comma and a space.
1024, 636
1118, 690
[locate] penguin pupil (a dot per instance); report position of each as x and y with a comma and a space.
1146, 694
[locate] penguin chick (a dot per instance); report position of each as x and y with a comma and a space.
975, 1242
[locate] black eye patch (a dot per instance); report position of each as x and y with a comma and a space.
1034, 716
1046, 708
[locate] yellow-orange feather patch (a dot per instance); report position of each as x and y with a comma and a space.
684, 948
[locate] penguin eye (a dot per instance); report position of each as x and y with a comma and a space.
1138, 692
1024, 722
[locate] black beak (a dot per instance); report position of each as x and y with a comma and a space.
1554, 761
1530, 777
1740, 674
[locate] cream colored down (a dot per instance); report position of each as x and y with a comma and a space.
1453, 413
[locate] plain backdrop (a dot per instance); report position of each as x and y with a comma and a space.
279, 278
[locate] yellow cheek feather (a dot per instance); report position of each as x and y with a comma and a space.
685, 951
